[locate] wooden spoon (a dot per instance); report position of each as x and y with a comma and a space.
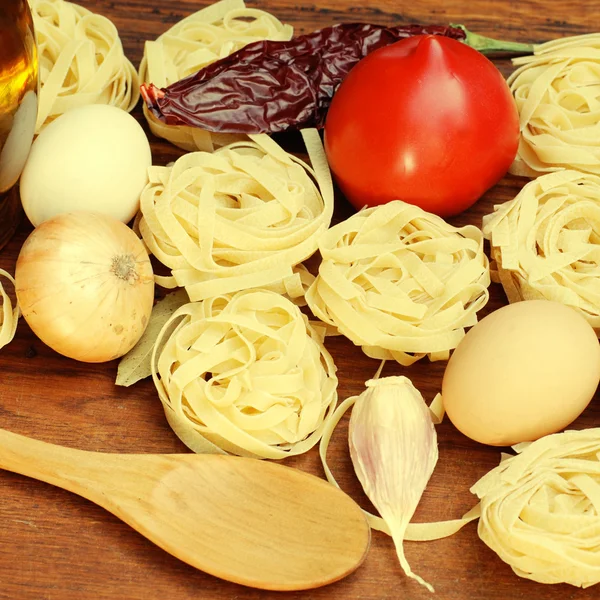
252, 522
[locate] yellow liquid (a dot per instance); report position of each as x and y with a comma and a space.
18, 106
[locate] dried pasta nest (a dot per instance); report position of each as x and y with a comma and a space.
557, 91
400, 282
545, 243
9, 314
245, 216
540, 509
81, 60
245, 374
195, 42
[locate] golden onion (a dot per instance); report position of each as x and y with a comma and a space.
85, 286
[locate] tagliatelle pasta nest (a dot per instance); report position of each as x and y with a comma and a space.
81, 61
400, 282
545, 243
540, 509
9, 315
245, 216
557, 91
245, 374
193, 43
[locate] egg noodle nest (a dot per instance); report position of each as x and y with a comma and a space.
9, 314
557, 91
246, 374
193, 43
540, 509
81, 60
243, 217
545, 243
400, 282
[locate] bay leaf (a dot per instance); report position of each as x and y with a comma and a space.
135, 365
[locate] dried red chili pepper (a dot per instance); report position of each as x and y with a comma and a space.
270, 86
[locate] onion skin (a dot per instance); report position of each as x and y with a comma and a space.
85, 286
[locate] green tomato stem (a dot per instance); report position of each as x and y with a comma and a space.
487, 45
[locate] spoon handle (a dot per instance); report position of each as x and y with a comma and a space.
68, 468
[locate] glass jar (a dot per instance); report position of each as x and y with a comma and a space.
18, 106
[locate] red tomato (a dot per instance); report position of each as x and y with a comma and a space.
427, 120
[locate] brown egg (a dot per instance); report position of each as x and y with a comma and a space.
524, 371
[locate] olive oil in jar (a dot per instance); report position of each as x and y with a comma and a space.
18, 105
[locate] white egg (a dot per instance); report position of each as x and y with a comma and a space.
92, 158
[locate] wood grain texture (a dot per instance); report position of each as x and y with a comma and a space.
55, 546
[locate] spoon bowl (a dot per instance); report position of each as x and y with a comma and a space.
252, 522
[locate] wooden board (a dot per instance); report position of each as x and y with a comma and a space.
55, 546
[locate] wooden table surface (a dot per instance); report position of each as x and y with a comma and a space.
54, 545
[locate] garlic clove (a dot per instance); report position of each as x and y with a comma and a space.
393, 447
